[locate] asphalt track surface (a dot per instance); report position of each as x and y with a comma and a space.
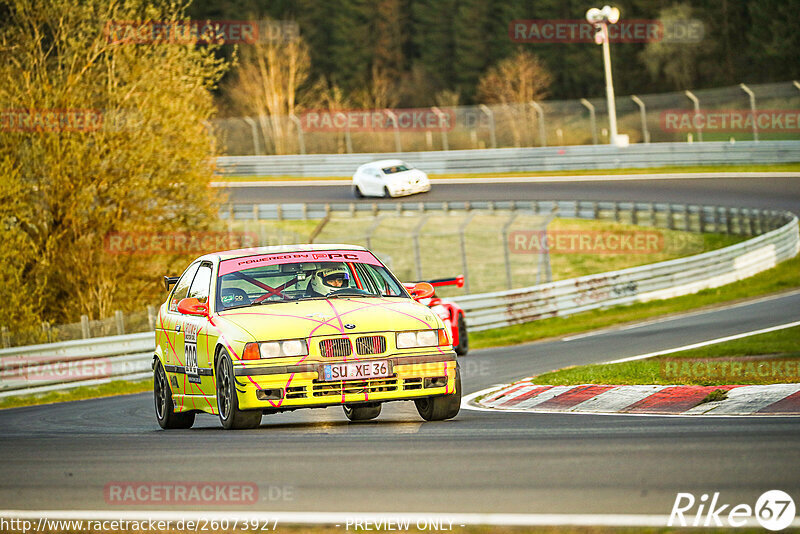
63, 456
759, 192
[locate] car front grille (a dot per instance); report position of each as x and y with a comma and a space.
371, 345
339, 347
324, 389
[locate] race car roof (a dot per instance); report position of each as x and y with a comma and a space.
277, 249
383, 163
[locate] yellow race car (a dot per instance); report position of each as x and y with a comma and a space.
250, 332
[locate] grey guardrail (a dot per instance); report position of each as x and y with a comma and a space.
522, 159
55, 366
69, 364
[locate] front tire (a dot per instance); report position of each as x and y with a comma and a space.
441, 408
165, 408
386, 193
231, 417
463, 337
363, 412
357, 192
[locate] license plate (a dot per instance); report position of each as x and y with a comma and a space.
357, 370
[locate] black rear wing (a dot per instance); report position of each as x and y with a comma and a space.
457, 281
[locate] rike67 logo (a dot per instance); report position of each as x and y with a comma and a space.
774, 510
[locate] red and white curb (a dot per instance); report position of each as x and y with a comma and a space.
522, 396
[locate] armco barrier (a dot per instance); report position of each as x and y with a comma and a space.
522, 159
38, 368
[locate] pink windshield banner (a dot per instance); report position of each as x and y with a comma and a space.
240, 264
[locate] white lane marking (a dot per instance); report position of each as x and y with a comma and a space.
342, 518
706, 343
524, 179
746, 399
680, 316
614, 400
466, 400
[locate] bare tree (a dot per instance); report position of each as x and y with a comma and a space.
515, 82
268, 83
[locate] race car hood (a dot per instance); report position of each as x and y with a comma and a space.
312, 318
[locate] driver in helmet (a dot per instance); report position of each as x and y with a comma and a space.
327, 280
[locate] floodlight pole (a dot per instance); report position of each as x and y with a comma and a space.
612, 106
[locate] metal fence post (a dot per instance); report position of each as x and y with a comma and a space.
348, 140
46, 331
540, 113
544, 258
462, 229
492, 132
415, 238
85, 334
643, 115
5, 336
254, 132
371, 230
300, 140
151, 316
752, 96
397, 146
507, 246
696, 102
440, 114
592, 119
119, 319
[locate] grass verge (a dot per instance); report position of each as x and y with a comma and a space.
770, 358
778, 167
117, 387
782, 277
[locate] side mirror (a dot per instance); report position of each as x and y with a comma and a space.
170, 281
421, 290
193, 306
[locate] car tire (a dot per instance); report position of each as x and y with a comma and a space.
165, 408
386, 193
363, 412
443, 407
463, 337
231, 417
357, 192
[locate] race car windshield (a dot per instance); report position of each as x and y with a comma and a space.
266, 284
396, 168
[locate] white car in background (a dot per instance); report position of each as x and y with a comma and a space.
389, 178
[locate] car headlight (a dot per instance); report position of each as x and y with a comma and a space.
421, 338
275, 349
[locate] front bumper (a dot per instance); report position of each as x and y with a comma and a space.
298, 386
409, 189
